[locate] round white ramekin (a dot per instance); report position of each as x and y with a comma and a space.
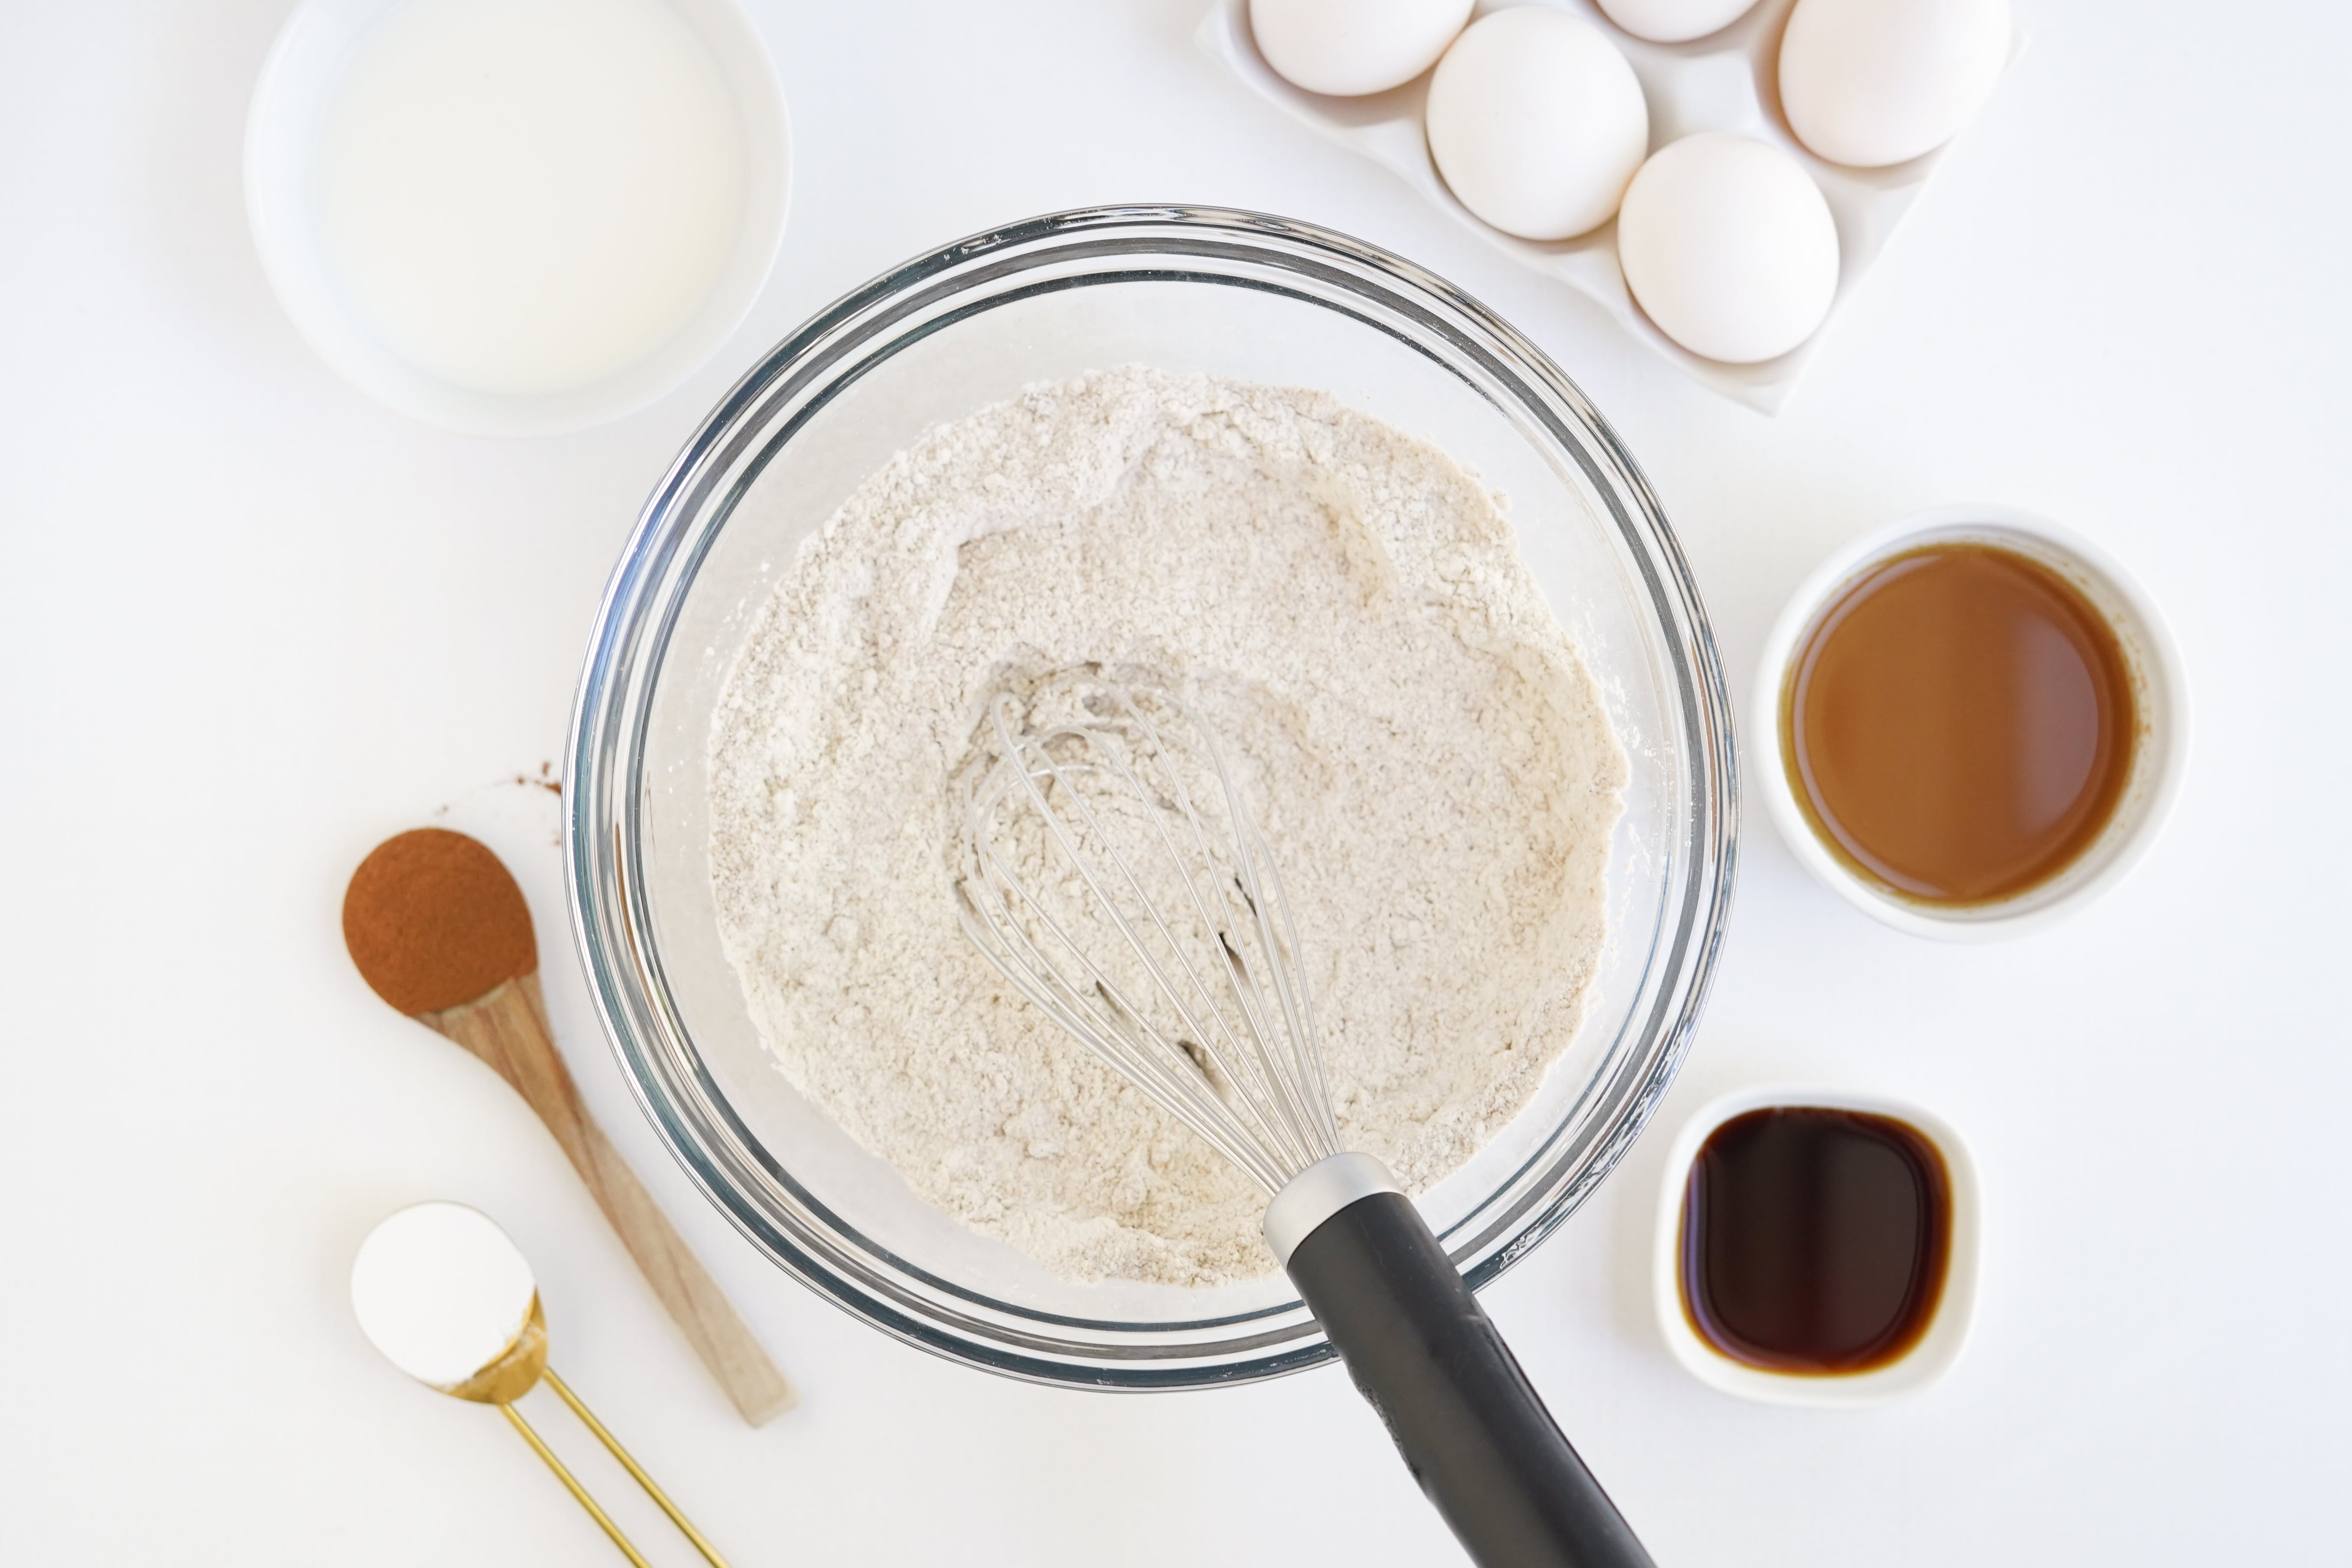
2160, 760
298, 85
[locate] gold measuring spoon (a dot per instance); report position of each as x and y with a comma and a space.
449, 1299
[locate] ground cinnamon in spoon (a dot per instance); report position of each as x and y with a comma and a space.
433, 920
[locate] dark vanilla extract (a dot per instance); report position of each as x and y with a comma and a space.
1959, 725
1815, 1240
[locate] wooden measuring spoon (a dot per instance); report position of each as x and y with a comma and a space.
439, 930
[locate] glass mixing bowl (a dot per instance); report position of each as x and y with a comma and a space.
1237, 294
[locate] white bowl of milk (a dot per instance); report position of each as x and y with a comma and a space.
515, 217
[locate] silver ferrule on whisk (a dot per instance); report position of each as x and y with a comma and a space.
1318, 1193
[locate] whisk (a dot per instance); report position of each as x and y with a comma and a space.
1108, 865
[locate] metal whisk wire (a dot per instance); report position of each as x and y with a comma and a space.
1213, 1020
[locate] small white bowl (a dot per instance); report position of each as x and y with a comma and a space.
299, 83
1922, 1364
2160, 760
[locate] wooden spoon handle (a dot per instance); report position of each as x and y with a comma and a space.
508, 1028
686, 1290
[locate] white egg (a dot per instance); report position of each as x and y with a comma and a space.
1872, 83
1536, 123
1347, 48
1730, 247
1673, 21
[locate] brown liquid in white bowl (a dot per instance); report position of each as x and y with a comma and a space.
1961, 724
1815, 1240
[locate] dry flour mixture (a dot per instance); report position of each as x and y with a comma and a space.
1343, 605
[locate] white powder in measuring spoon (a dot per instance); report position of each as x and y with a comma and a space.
1343, 605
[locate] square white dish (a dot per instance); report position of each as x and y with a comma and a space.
1919, 1368
1725, 81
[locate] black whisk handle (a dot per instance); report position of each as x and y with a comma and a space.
1470, 1426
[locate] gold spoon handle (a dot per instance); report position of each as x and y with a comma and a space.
572, 1484
636, 1471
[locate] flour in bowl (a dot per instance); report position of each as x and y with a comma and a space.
1343, 605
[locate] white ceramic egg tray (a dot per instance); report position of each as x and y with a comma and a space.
1725, 81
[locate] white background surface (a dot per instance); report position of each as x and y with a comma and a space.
254, 623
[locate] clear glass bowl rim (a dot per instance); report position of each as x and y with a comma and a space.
604, 758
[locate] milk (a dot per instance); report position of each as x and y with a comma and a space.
525, 196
